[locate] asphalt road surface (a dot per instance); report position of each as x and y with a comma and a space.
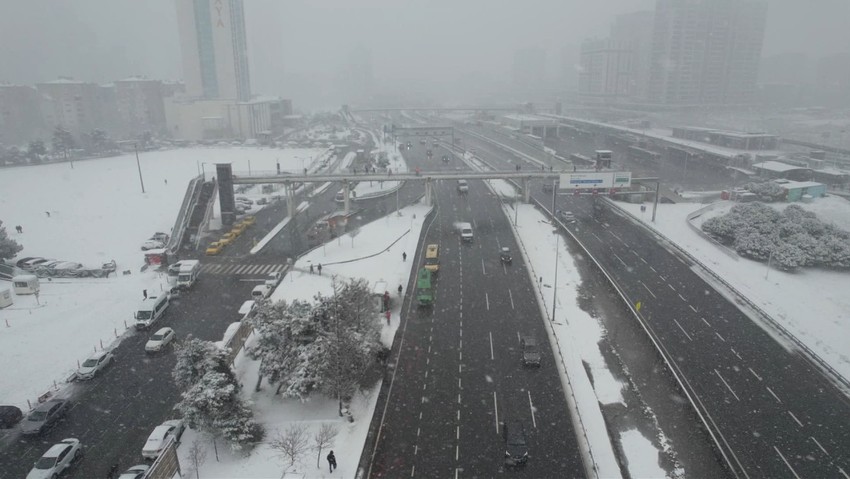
774, 414
459, 372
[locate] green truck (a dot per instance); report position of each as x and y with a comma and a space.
424, 292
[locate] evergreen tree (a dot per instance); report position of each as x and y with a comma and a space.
8, 247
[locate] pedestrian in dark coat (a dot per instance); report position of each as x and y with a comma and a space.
331, 461
404, 256
145, 293
400, 288
320, 269
112, 471
311, 269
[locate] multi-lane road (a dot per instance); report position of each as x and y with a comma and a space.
459, 372
772, 413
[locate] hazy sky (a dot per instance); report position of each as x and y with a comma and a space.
296, 44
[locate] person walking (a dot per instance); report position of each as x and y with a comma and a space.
389, 315
320, 269
311, 269
145, 293
19, 229
112, 471
400, 289
331, 461
404, 256
47, 213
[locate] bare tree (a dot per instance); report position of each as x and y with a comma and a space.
324, 437
292, 443
197, 456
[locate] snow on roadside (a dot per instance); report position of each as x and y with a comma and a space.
786, 297
641, 455
374, 252
576, 334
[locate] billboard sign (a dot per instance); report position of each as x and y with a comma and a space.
595, 180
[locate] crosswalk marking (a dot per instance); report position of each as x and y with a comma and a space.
241, 269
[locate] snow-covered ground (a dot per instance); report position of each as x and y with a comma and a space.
813, 304
97, 213
374, 252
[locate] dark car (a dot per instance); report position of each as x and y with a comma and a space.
505, 255
516, 446
445, 158
9, 416
530, 352
44, 416
429, 153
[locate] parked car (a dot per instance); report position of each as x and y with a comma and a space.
34, 263
159, 340
67, 265
261, 292
248, 220
96, 363
152, 244
44, 416
516, 446
159, 437
161, 237
9, 416
530, 353
238, 228
57, 459
21, 262
263, 201
135, 472
272, 279
245, 200
227, 238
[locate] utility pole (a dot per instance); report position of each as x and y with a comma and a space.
555, 284
139, 166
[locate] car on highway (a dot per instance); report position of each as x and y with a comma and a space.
516, 445
57, 459
409, 145
505, 255
567, 216
159, 340
136, 472
423, 141
530, 351
159, 437
95, 364
214, 248
462, 187
9, 416
44, 416
445, 158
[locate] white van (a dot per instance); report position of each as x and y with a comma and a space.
188, 273
150, 310
261, 292
465, 230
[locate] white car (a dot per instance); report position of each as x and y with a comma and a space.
135, 472
159, 437
96, 363
159, 340
272, 279
243, 199
57, 459
152, 244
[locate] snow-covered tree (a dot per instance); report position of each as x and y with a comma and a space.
210, 399
767, 191
8, 247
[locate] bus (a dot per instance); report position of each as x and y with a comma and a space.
432, 258
424, 293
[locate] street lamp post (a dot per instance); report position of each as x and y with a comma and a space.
555, 284
139, 166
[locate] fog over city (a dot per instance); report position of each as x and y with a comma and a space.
306, 49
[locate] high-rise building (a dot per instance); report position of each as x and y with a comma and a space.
706, 51
78, 107
215, 53
20, 115
616, 68
529, 68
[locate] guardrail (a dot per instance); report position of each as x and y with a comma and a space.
723, 248
819, 363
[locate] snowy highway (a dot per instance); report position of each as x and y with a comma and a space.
772, 412
459, 372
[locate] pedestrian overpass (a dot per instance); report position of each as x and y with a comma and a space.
590, 181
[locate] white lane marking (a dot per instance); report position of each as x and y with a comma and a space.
727, 384
595, 236
487, 300
644, 261
653, 269
510, 295
683, 330
754, 374
619, 259
846, 476
634, 253
413, 470
483, 269
693, 308
648, 290
719, 336
794, 418
531, 406
457, 452
491, 345
773, 394
682, 297
706, 322
496, 410
818, 444
786, 463
425, 386
736, 353
671, 286
457, 434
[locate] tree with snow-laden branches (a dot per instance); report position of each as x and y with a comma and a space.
210, 399
791, 239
